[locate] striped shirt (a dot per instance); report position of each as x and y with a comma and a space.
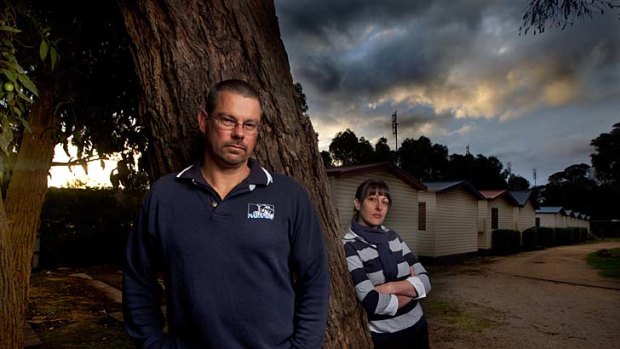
367, 272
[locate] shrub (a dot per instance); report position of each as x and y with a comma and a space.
583, 234
546, 237
530, 239
575, 235
505, 241
563, 236
86, 226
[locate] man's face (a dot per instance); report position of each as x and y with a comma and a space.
230, 147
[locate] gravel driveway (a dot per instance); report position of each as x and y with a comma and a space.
543, 299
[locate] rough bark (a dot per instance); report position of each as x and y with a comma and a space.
23, 204
10, 330
181, 48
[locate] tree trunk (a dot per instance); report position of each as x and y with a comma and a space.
11, 335
181, 48
23, 204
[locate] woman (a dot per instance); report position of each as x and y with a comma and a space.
388, 278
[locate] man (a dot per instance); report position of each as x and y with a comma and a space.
241, 249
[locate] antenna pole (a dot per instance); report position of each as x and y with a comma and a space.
395, 127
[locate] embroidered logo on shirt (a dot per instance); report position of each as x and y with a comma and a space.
261, 211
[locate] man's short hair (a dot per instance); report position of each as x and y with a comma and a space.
239, 87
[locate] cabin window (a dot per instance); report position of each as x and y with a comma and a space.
421, 216
537, 222
494, 218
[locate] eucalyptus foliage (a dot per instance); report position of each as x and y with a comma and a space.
542, 14
78, 51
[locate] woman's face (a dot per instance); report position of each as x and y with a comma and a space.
372, 211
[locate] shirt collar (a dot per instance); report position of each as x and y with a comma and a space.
258, 175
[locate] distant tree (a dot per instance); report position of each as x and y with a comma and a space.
573, 174
489, 173
347, 150
383, 151
516, 182
439, 162
482, 172
541, 14
327, 158
606, 159
461, 167
344, 148
366, 153
382, 147
573, 188
605, 201
422, 159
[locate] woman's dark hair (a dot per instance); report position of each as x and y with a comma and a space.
371, 187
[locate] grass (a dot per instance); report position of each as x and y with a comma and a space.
597, 240
476, 318
607, 261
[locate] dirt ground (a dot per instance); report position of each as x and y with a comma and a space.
66, 312
543, 299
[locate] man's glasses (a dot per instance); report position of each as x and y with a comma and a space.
228, 124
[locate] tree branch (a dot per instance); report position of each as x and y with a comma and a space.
77, 161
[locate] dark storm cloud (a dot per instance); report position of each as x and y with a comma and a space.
419, 115
457, 72
321, 19
323, 72
367, 47
373, 47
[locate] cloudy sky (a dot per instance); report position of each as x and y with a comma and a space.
458, 73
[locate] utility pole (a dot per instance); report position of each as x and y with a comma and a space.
395, 128
534, 177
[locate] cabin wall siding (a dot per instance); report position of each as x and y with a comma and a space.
426, 246
546, 220
456, 225
527, 217
505, 219
483, 226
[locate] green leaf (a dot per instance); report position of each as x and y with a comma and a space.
11, 63
43, 49
25, 80
53, 56
9, 29
10, 74
17, 111
25, 123
24, 97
